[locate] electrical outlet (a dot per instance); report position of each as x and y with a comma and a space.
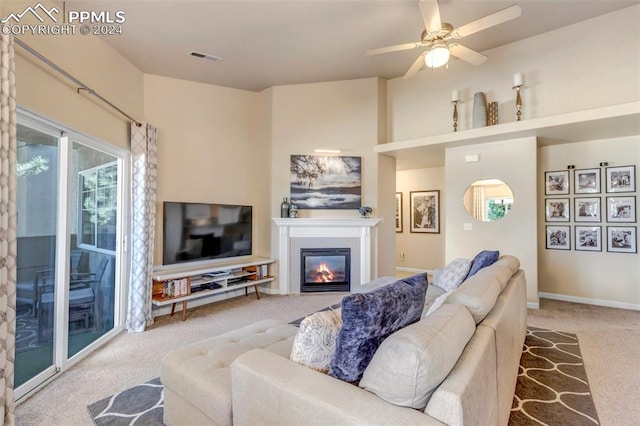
402, 256
467, 226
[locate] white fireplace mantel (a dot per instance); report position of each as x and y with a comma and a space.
324, 228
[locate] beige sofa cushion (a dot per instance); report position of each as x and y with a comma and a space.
478, 293
200, 373
413, 361
315, 343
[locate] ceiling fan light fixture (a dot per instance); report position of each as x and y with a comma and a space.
437, 56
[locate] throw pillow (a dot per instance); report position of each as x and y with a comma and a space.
483, 259
368, 318
454, 274
315, 343
436, 304
411, 363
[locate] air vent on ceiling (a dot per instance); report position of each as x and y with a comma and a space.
205, 56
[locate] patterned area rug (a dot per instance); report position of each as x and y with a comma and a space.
137, 406
552, 389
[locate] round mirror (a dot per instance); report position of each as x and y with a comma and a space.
488, 199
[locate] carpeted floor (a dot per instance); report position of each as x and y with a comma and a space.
552, 389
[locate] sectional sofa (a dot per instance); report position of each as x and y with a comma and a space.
456, 365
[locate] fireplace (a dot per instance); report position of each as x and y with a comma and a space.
325, 269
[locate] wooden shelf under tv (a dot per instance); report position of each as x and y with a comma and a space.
227, 275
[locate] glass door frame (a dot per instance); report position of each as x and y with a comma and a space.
66, 138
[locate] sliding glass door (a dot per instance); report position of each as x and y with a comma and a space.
70, 209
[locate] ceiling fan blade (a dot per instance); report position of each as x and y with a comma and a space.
466, 54
415, 67
488, 21
430, 15
395, 48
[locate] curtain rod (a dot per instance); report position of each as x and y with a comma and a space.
75, 80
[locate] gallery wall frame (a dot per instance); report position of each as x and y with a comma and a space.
587, 209
557, 209
424, 212
586, 181
621, 209
556, 182
558, 237
398, 212
588, 238
622, 239
621, 179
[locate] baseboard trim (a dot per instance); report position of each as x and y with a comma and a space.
590, 301
533, 305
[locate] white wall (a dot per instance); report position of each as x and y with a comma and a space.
515, 234
571, 69
341, 115
421, 251
594, 277
45, 92
210, 149
559, 78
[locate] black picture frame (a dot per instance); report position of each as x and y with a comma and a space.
621, 209
398, 212
556, 182
587, 209
586, 181
622, 239
424, 212
558, 237
557, 209
587, 238
621, 179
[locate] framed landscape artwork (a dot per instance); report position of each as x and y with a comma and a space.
558, 237
621, 179
398, 211
326, 182
588, 238
587, 209
556, 183
425, 212
621, 209
557, 209
622, 239
586, 181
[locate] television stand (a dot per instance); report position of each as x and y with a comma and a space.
182, 282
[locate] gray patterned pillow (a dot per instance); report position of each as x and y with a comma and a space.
454, 274
315, 343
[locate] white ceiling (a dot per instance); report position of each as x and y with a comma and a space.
267, 43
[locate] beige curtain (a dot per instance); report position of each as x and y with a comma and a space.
479, 211
8, 218
143, 216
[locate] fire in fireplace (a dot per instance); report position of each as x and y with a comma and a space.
325, 269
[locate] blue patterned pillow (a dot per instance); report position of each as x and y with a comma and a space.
483, 259
368, 318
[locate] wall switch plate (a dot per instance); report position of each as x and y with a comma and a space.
471, 158
467, 226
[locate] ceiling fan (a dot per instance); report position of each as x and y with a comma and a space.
440, 37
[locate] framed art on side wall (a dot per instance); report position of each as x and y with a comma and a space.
398, 211
586, 181
588, 238
557, 209
425, 211
587, 209
622, 239
556, 183
621, 179
558, 237
621, 209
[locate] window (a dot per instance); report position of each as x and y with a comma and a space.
498, 207
98, 207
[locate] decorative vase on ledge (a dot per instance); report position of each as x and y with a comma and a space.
479, 110
365, 211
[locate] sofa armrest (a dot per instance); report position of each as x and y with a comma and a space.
270, 389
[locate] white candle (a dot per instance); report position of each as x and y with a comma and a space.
517, 79
455, 96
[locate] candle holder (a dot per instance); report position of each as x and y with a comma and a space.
518, 102
455, 114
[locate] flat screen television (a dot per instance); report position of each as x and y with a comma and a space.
201, 231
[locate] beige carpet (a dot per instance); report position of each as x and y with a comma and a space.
609, 340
